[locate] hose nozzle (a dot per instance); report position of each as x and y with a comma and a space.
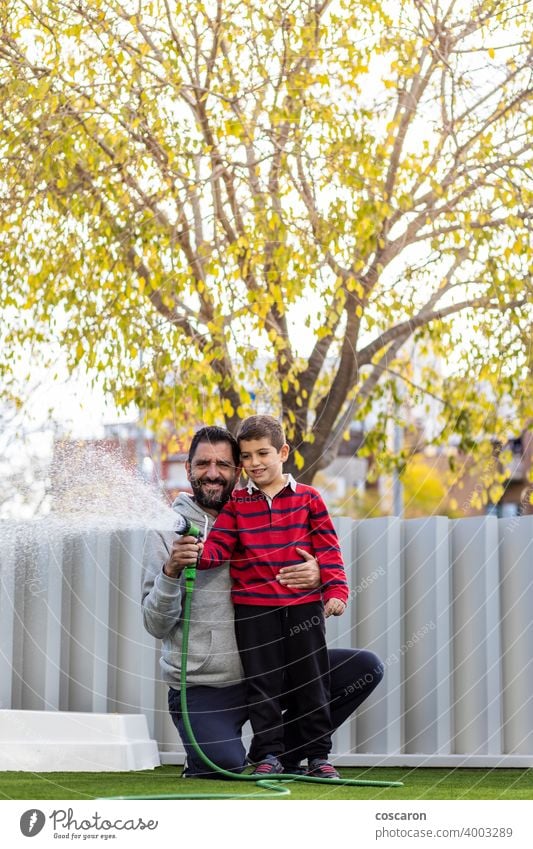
185, 527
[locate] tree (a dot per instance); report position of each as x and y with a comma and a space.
244, 203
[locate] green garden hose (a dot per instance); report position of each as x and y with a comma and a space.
274, 784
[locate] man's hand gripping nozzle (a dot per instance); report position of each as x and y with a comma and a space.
185, 527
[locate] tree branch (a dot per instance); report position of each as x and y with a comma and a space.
406, 328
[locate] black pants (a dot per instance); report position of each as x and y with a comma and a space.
283, 653
218, 714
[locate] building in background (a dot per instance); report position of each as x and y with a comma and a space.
350, 485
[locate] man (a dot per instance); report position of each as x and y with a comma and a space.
215, 690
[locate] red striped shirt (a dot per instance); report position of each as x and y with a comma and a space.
259, 539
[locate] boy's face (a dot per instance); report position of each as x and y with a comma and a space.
262, 462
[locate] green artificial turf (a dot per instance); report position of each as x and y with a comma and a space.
418, 784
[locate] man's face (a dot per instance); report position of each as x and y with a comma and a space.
212, 474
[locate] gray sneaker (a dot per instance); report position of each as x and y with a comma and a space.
270, 765
321, 768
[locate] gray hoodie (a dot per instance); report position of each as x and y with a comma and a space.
213, 658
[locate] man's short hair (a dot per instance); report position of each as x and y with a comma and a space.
214, 435
258, 427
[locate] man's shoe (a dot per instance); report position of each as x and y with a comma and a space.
268, 766
321, 768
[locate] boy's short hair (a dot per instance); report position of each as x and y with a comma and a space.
259, 427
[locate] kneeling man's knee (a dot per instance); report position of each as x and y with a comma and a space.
378, 668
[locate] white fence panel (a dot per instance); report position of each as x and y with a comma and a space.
446, 605
477, 653
516, 562
378, 627
426, 639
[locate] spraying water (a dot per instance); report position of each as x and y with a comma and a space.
94, 493
93, 489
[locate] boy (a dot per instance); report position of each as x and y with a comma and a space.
280, 632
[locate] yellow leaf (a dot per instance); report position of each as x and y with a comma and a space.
227, 408
298, 459
495, 492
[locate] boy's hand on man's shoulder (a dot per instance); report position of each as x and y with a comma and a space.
334, 607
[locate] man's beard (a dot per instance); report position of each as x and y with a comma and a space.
215, 501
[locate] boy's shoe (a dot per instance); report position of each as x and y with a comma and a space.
321, 768
268, 766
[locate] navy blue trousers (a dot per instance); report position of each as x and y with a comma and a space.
218, 714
